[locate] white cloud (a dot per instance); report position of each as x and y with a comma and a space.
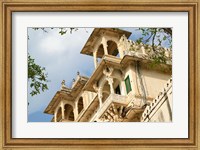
60, 55
53, 43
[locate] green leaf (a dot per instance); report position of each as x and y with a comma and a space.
36, 77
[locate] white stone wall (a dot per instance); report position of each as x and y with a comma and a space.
160, 110
154, 81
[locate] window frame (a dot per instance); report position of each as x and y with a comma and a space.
128, 89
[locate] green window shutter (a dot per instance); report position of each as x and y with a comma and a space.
128, 84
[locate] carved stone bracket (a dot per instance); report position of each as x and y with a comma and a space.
107, 71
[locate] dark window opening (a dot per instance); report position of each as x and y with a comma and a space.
117, 90
80, 104
71, 116
112, 48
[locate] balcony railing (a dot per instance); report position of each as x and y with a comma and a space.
113, 98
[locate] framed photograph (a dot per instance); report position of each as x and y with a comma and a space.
107, 75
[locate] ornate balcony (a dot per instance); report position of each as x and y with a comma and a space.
111, 107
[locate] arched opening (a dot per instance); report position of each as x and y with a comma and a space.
112, 48
117, 86
105, 91
112, 87
59, 114
100, 53
69, 114
80, 104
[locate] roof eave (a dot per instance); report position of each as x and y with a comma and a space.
87, 45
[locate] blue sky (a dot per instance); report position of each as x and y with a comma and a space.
60, 55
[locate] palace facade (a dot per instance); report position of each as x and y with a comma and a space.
127, 84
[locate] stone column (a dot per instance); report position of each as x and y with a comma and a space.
110, 82
95, 59
104, 42
100, 96
75, 111
55, 116
63, 110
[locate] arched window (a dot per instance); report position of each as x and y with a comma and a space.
100, 53
69, 114
112, 48
80, 104
105, 91
116, 85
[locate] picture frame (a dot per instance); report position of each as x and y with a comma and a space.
8, 7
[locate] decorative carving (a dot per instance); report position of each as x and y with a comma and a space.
124, 43
110, 82
128, 47
107, 71
63, 84
112, 114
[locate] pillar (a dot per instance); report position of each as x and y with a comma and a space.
104, 42
55, 116
75, 110
95, 59
63, 110
110, 82
100, 96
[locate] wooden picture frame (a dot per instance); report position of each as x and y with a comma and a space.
9, 6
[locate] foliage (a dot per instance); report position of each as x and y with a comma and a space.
65, 30
155, 36
37, 77
159, 58
62, 31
